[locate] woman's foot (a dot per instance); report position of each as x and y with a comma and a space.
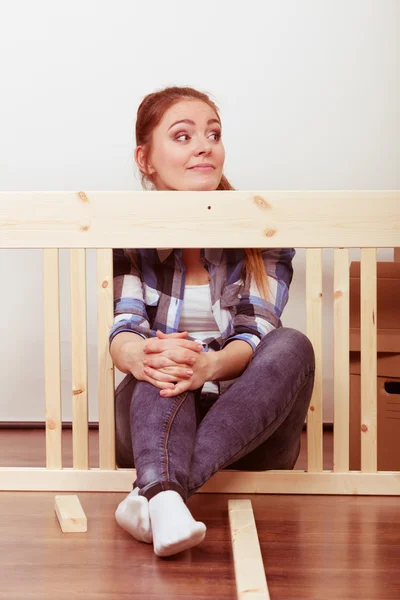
173, 526
132, 515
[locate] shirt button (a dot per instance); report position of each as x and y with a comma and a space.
239, 295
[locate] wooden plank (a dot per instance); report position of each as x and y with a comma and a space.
341, 377
70, 514
52, 358
224, 482
105, 318
267, 218
368, 361
79, 361
396, 255
314, 333
251, 581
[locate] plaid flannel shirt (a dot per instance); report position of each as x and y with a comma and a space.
149, 286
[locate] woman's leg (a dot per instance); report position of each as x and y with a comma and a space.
163, 434
123, 437
162, 431
257, 422
156, 435
132, 513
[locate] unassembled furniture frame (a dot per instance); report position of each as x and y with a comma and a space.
256, 219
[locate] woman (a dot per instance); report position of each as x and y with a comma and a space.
213, 379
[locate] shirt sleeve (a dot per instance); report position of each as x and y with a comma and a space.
254, 317
129, 304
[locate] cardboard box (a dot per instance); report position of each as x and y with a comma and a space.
388, 367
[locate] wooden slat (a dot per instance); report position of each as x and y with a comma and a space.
314, 332
368, 361
176, 219
70, 514
249, 568
105, 317
224, 482
341, 377
52, 358
80, 426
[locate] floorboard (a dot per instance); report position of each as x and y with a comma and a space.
313, 547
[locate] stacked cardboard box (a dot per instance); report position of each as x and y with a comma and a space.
388, 362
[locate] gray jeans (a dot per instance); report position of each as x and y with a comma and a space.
179, 443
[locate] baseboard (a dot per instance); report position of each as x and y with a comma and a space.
39, 425
92, 425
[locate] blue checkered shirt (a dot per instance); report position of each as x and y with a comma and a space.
149, 286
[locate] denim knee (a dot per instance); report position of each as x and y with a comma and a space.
288, 340
301, 344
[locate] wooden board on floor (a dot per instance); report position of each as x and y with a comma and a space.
70, 514
250, 576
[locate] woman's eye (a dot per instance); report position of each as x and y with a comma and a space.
186, 135
181, 135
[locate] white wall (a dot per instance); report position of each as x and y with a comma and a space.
308, 92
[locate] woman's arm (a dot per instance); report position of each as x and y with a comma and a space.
229, 362
254, 317
129, 351
130, 315
126, 351
221, 365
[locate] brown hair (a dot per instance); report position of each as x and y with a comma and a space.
149, 115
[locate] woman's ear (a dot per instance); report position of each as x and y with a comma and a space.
141, 163
139, 158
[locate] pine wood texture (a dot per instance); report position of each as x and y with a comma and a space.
251, 582
106, 375
79, 359
70, 514
341, 349
169, 219
310, 219
52, 358
369, 417
314, 333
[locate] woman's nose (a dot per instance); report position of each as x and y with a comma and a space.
204, 148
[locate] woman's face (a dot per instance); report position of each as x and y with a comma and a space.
178, 147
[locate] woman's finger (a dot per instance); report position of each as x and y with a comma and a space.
177, 371
163, 385
157, 361
161, 376
160, 361
181, 356
164, 336
179, 388
155, 345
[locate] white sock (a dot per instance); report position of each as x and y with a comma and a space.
173, 526
133, 515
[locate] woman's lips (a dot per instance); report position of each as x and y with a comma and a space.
202, 168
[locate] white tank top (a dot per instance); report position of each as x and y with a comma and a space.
198, 320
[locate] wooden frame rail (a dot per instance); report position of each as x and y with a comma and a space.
104, 220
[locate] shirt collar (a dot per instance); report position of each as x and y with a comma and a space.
212, 255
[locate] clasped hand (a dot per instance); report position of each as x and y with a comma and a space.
174, 363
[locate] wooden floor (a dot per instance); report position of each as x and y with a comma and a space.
319, 547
